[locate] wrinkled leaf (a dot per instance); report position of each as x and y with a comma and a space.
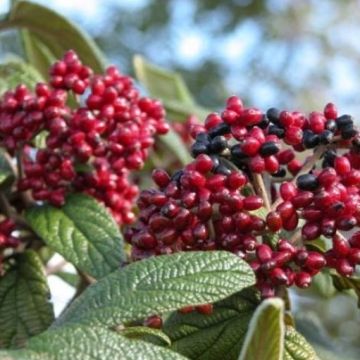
265, 336
80, 342
141, 332
296, 347
82, 231
160, 284
55, 32
25, 310
209, 337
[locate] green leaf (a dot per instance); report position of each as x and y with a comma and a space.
209, 337
322, 284
37, 53
265, 336
7, 175
140, 332
342, 283
296, 347
162, 83
55, 32
71, 279
160, 284
40, 139
15, 72
80, 342
170, 88
82, 231
174, 143
25, 310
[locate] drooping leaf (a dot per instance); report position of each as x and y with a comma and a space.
141, 332
296, 347
209, 337
15, 72
158, 285
265, 336
55, 32
25, 309
80, 342
82, 231
37, 53
170, 88
174, 143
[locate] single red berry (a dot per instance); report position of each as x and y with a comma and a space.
154, 322
342, 165
303, 279
330, 111
206, 309
288, 190
274, 221
253, 202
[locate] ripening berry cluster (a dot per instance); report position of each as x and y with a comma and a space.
7, 238
216, 201
92, 147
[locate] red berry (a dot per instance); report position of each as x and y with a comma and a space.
264, 253
303, 279
253, 202
251, 116
288, 190
154, 321
330, 111
206, 309
274, 221
342, 165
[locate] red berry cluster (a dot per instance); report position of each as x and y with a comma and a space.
91, 148
195, 210
286, 265
7, 238
214, 202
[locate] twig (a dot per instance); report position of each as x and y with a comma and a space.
25, 195
260, 189
296, 237
5, 206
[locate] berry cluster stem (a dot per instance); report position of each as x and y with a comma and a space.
260, 190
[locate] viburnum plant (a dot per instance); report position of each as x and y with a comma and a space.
247, 204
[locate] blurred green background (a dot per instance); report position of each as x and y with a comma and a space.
295, 55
